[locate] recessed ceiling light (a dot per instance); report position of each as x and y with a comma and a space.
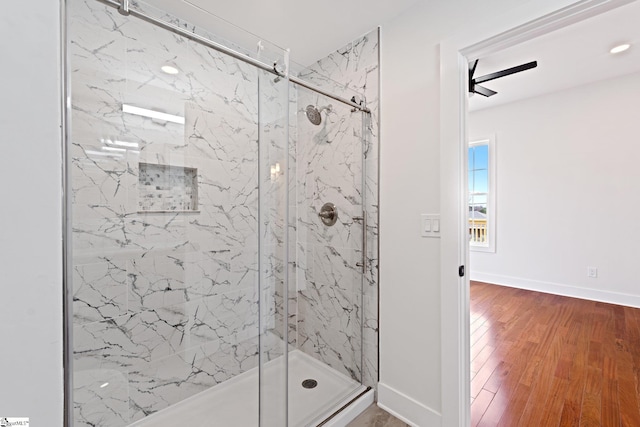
169, 69
620, 48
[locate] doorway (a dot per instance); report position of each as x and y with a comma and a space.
554, 169
455, 56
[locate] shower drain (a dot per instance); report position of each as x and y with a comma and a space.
310, 383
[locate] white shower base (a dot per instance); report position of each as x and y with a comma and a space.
234, 403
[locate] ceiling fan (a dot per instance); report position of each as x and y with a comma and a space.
474, 84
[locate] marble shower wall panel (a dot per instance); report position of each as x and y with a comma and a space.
329, 160
165, 304
353, 69
99, 291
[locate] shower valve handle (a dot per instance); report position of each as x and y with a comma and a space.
328, 214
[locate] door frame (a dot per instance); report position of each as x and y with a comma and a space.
455, 54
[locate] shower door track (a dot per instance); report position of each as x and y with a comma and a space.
124, 9
343, 407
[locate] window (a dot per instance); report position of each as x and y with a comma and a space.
482, 213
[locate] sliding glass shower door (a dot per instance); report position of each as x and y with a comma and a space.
176, 161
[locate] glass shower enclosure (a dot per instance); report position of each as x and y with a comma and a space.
217, 230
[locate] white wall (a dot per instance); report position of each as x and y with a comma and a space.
412, 182
568, 181
30, 242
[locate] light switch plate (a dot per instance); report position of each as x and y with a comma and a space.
430, 225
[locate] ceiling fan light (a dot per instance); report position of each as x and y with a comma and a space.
620, 48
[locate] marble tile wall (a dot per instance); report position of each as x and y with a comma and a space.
329, 288
332, 307
167, 304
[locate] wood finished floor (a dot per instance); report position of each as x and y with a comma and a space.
545, 360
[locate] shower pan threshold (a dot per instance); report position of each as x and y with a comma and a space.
234, 403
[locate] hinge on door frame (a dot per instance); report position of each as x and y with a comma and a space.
461, 271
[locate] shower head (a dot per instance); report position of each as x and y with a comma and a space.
313, 113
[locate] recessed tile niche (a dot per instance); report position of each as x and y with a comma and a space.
167, 188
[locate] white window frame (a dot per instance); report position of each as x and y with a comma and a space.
490, 246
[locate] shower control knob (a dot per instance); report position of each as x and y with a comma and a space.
328, 214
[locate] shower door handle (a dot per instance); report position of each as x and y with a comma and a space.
363, 263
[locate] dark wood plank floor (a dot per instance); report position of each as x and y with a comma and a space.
545, 360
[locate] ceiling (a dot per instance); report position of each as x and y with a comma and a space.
572, 56
311, 29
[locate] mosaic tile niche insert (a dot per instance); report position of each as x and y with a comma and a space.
167, 188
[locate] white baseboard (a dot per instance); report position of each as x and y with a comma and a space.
407, 409
558, 289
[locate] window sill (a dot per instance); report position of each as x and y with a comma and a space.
479, 248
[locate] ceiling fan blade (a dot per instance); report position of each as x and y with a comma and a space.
483, 91
472, 69
508, 71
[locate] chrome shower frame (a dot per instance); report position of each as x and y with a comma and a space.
67, 254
